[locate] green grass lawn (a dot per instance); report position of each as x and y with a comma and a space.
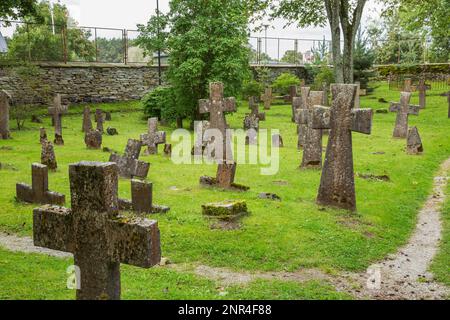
279, 236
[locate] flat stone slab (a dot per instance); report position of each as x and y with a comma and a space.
269, 196
225, 210
212, 182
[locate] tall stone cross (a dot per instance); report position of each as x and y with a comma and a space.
5, 98
293, 92
57, 110
296, 105
100, 119
337, 184
129, 165
38, 191
422, 88
302, 103
358, 95
95, 233
312, 150
267, 98
154, 137
403, 109
407, 85
87, 123
325, 94
254, 107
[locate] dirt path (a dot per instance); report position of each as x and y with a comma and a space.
403, 275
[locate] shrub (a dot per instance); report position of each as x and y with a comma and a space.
252, 88
284, 81
325, 74
160, 103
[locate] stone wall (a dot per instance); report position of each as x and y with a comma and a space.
87, 83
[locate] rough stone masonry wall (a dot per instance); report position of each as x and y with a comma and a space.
88, 83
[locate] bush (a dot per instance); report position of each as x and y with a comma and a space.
252, 88
284, 81
160, 103
325, 74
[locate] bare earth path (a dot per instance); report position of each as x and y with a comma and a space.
403, 275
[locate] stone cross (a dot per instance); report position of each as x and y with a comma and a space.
414, 142
153, 138
448, 102
267, 98
5, 99
94, 231
254, 107
301, 127
292, 93
199, 143
296, 104
57, 111
358, 95
141, 199
87, 123
129, 165
93, 139
38, 191
325, 94
422, 88
407, 87
337, 184
403, 109
100, 120
312, 150
42, 135
48, 157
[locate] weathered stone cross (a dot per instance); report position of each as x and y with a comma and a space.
293, 92
141, 199
87, 123
57, 111
403, 109
95, 233
407, 86
254, 107
38, 191
5, 98
337, 185
129, 165
100, 120
422, 88
301, 103
312, 150
153, 138
267, 98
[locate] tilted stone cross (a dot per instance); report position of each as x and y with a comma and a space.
129, 165
95, 233
154, 137
141, 199
57, 111
302, 103
312, 150
5, 98
87, 123
254, 107
38, 191
422, 88
337, 185
403, 109
267, 98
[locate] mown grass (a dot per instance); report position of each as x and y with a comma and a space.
284, 235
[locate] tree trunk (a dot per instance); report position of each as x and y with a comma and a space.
332, 8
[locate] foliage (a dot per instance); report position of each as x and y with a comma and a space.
324, 75
252, 88
321, 53
290, 56
263, 57
110, 50
263, 75
206, 42
363, 60
413, 69
37, 41
160, 103
15, 9
284, 81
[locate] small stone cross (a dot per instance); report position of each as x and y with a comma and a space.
95, 233
403, 109
57, 111
422, 88
254, 107
301, 103
267, 98
141, 199
129, 165
5, 99
154, 137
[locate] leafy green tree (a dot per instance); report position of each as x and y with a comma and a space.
284, 81
40, 41
290, 56
321, 52
110, 50
15, 9
206, 41
363, 61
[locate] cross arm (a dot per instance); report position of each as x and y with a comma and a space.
413, 109
53, 228
394, 107
135, 241
321, 117
362, 120
229, 104
301, 116
204, 105
160, 137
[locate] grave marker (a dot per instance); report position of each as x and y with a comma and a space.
87, 123
254, 107
154, 137
301, 127
403, 109
422, 88
141, 199
93, 139
414, 142
57, 112
99, 119
267, 98
129, 165
48, 157
5, 99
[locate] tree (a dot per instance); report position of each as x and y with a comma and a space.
15, 9
290, 56
363, 60
321, 52
40, 41
206, 41
343, 16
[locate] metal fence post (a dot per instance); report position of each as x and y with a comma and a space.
296, 51
96, 44
125, 46
28, 41
64, 38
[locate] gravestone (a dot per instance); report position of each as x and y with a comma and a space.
325, 94
48, 157
267, 98
414, 142
337, 184
153, 138
199, 144
301, 128
99, 119
5, 99
312, 149
42, 135
251, 127
38, 191
112, 131
448, 102
87, 123
141, 199
296, 104
57, 110
358, 95
254, 107
108, 116
277, 141
168, 149
293, 92
407, 86
422, 88
216, 106
129, 165
93, 139
95, 232
403, 109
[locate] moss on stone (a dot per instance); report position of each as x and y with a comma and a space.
225, 209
